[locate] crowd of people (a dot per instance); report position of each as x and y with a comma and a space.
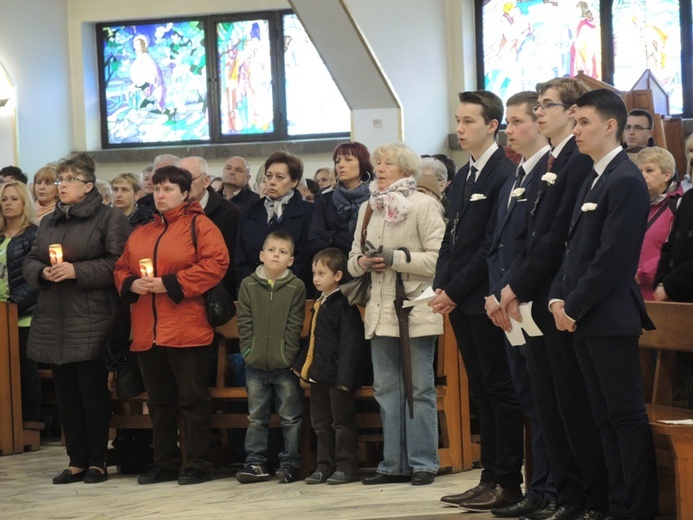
570, 238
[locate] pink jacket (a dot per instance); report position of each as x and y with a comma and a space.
655, 236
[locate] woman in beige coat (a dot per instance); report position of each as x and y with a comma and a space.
402, 218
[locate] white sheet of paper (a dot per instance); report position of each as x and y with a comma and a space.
423, 298
528, 323
515, 336
680, 421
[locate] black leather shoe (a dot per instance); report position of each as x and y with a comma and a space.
590, 514
547, 509
382, 478
496, 497
456, 500
565, 512
95, 475
67, 477
422, 478
157, 474
194, 476
523, 507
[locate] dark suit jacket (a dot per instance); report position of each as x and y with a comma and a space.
245, 198
543, 240
253, 229
597, 276
462, 270
226, 216
675, 268
510, 225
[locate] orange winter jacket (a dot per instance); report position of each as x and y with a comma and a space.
176, 318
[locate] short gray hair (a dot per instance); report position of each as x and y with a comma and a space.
436, 167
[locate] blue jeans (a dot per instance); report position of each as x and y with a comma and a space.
282, 387
411, 445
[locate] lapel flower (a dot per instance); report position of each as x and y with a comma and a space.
549, 178
517, 193
588, 206
477, 196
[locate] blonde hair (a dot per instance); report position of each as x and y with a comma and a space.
403, 156
29, 212
45, 172
129, 178
659, 156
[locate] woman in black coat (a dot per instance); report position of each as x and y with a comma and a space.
282, 208
76, 310
17, 233
334, 220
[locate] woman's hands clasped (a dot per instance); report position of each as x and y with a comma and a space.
376, 258
148, 284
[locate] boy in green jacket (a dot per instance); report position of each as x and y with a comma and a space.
271, 308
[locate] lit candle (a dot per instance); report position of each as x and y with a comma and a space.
55, 252
146, 267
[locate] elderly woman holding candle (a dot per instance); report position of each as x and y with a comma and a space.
76, 309
164, 275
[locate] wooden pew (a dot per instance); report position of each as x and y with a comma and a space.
673, 443
456, 451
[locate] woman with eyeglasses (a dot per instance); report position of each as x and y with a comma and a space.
71, 262
17, 231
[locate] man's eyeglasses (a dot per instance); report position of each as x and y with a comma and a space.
546, 106
69, 181
637, 128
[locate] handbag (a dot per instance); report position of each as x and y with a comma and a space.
358, 290
219, 304
119, 360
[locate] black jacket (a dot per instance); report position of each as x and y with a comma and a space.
226, 216
675, 268
245, 198
339, 344
21, 292
141, 215
328, 229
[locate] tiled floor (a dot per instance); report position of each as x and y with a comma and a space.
26, 492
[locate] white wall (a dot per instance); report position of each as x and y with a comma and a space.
33, 49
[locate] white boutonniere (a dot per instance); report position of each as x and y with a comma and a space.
588, 206
549, 178
477, 196
517, 193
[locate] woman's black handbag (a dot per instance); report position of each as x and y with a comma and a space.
220, 306
123, 363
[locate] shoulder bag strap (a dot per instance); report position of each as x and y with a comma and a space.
193, 233
364, 226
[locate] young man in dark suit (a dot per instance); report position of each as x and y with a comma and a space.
595, 297
461, 283
525, 138
570, 434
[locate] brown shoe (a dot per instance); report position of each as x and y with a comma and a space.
456, 500
495, 497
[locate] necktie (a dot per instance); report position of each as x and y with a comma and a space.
469, 184
549, 163
311, 345
518, 182
590, 183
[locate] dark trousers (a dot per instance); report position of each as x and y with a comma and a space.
84, 403
482, 346
334, 421
570, 433
611, 368
541, 485
176, 380
30, 380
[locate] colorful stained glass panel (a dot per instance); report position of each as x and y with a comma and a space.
647, 35
155, 82
314, 104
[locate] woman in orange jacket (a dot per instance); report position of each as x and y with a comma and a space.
164, 276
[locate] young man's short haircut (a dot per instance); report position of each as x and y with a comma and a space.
569, 89
643, 113
129, 178
659, 156
332, 258
528, 98
280, 235
491, 105
608, 105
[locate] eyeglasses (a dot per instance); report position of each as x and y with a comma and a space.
69, 181
637, 128
546, 106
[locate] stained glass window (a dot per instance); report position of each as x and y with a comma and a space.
647, 35
314, 104
530, 41
154, 82
245, 77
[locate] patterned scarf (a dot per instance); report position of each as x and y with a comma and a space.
275, 207
348, 202
393, 199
